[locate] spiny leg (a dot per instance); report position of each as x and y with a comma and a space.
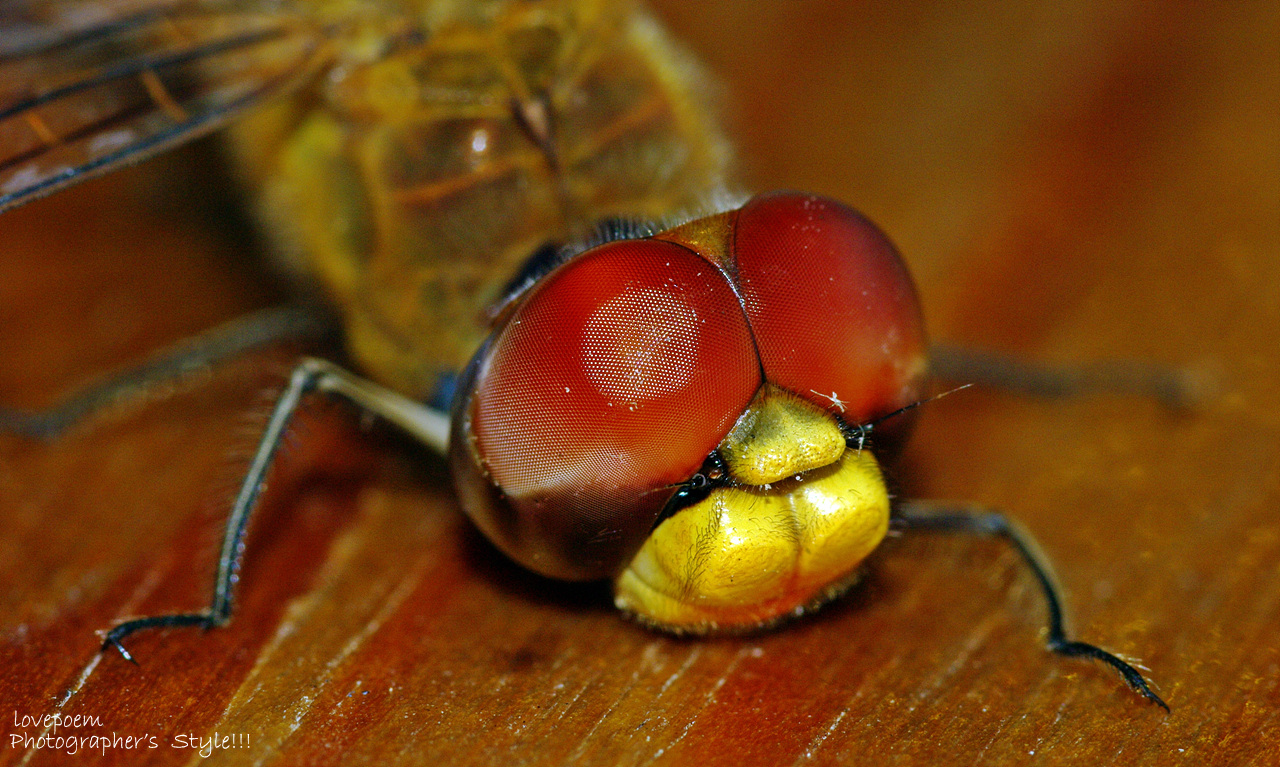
429, 426
223, 343
953, 518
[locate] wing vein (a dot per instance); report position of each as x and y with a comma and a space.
138, 65
68, 40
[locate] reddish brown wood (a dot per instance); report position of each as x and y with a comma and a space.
1070, 181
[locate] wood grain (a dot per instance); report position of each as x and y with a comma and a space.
1069, 181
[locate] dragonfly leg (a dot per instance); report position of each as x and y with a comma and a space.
970, 520
1175, 388
172, 365
311, 376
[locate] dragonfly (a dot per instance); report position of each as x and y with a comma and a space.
518, 209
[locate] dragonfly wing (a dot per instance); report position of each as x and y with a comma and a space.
88, 86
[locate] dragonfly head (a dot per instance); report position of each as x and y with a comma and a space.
737, 353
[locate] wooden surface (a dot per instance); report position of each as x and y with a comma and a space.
1069, 181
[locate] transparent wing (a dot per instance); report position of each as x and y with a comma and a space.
88, 86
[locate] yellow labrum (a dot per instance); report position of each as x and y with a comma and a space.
779, 436
752, 555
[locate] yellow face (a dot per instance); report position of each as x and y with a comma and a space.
787, 534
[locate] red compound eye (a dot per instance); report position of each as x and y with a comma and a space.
831, 304
609, 384
616, 376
